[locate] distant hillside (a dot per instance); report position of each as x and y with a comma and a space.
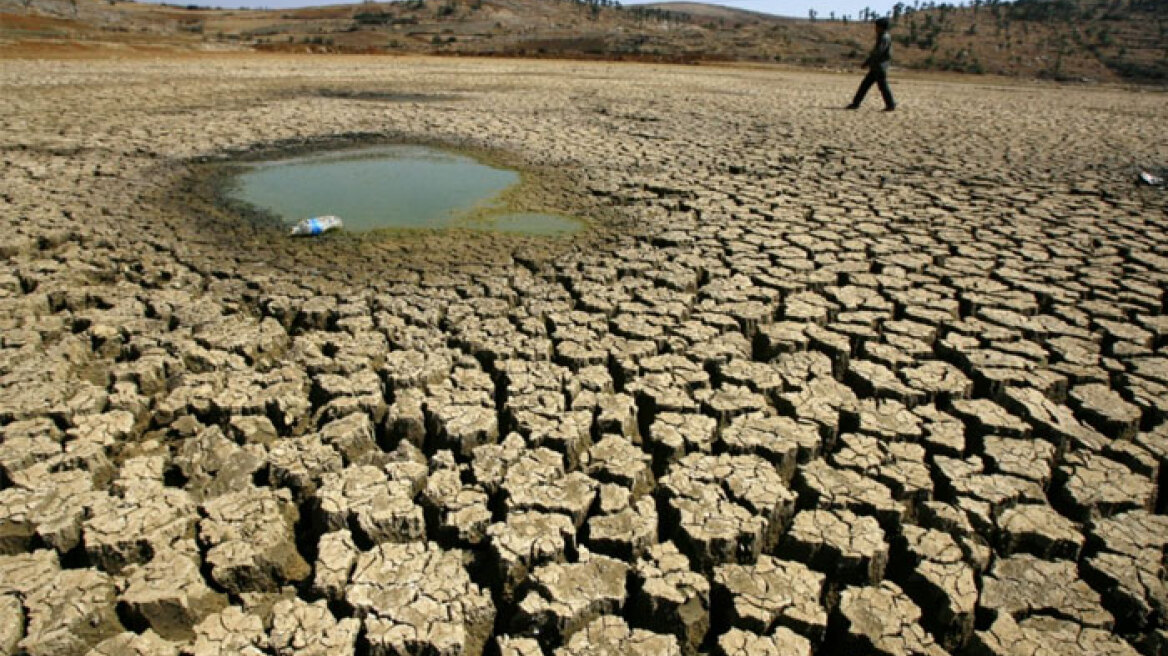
1057, 39
703, 10
1105, 40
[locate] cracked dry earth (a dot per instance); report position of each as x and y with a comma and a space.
816, 382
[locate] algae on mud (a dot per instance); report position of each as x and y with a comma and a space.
392, 187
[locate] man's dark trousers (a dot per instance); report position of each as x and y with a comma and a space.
878, 76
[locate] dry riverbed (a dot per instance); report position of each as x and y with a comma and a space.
814, 380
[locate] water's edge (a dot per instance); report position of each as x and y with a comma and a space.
520, 208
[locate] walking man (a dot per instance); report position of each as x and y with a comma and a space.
877, 64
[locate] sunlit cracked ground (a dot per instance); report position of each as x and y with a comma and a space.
816, 381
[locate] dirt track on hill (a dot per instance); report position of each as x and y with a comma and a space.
815, 381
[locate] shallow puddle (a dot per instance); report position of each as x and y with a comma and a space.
397, 186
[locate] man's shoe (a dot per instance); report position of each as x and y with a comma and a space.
852, 106
890, 109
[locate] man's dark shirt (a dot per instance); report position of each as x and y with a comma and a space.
881, 53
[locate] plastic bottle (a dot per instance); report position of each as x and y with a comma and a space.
316, 225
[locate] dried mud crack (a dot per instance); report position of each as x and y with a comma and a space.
816, 381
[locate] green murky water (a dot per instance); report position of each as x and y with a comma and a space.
399, 186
